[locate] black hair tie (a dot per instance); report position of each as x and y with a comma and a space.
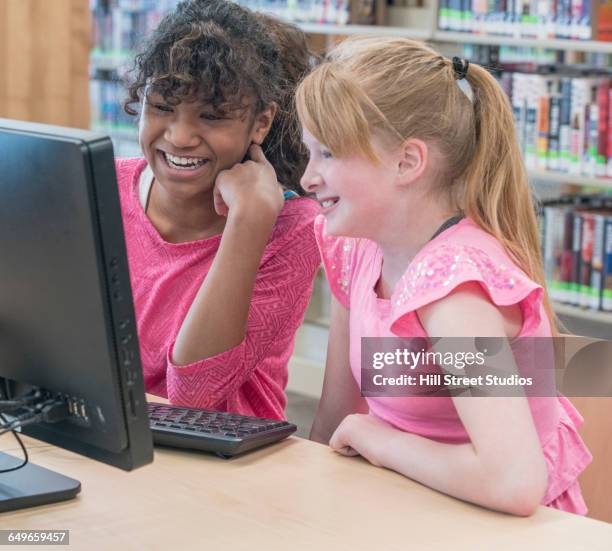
460, 66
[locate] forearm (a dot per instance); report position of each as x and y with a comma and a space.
452, 469
217, 318
455, 469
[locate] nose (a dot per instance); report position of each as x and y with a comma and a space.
311, 180
182, 133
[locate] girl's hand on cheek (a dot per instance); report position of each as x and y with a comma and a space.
249, 189
361, 434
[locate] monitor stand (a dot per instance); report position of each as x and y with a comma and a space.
32, 485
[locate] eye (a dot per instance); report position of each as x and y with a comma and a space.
162, 107
212, 117
326, 154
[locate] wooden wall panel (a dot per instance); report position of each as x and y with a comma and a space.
44, 61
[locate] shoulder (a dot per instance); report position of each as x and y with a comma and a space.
295, 221
469, 265
128, 171
128, 166
293, 232
300, 210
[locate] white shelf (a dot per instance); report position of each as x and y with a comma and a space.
572, 179
459, 37
583, 314
379, 30
499, 40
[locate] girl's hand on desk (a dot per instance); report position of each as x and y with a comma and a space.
362, 434
249, 189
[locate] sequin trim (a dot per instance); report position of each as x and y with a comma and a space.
448, 263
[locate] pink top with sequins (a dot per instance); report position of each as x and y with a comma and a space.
458, 255
251, 377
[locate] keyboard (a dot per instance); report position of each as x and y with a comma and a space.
226, 434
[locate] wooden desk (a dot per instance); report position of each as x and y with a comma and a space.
294, 495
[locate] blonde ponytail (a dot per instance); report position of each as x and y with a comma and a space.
497, 195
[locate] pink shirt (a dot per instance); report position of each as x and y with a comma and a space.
251, 377
460, 254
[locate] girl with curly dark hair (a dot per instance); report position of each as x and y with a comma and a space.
221, 262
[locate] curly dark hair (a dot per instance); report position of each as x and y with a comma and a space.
224, 55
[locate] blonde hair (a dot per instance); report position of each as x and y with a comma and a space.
395, 89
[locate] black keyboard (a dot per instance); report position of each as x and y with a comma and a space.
225, 434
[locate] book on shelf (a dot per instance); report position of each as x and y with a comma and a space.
532, 19
331, 12
107, 94
577, 250
563, 123
119, 26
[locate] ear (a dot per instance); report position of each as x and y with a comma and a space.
412, 161
262, 123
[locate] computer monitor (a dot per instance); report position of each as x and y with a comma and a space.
67, 320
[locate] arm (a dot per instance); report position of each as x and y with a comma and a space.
340, 396
250, 197
251, 376
503, 466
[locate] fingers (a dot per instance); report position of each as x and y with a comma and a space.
339, 439
220, 207
256, 154
347, 451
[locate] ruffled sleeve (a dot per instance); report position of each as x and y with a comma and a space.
338, 255
439, 269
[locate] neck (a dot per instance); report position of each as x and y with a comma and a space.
405, 236
182, 220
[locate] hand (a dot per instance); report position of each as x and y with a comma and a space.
361, 434
249, 187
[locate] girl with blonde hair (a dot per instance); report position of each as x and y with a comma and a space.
428, 229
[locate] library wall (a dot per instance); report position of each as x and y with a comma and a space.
44, 61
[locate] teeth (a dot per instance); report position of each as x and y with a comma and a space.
327, 203
183, 162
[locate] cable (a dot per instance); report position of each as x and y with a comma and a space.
19, 423
24, 401
49, 411
26, 458
10, 403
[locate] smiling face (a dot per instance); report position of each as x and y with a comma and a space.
355, 194
188, 144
